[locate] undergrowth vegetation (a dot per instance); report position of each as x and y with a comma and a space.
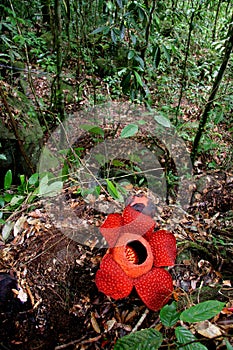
175, 59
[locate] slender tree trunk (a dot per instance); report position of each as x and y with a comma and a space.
183, 77
148, 27
217, 81
59, 98
216, 19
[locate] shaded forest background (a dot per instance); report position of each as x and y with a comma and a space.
58, 58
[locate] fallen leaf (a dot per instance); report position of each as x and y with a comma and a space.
207, 329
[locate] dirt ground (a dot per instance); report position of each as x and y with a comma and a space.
64, 309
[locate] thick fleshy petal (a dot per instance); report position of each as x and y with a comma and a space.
133, 253
163, 246
155, 288
111, 279
136, 222
111, 228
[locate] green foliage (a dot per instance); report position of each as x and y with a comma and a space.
141, 340
129, 130
184, 336
8, 180
48, 187
13, 196
202, 311
170, 316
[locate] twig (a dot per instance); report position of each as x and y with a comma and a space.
79, 341
139, 323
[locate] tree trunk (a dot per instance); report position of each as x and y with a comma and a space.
217, 81
59, 98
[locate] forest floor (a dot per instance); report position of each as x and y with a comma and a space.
63, 308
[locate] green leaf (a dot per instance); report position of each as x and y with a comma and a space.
8, 180
98, 30
113, 36
22, 179
169, 315
202, 311
2, 157
228, 345
33, 179
131, 54
93, 129
16, 200
140, 61
138, 78
162, 121
51, 190
2, 201
184, 336
166, 53
142, 340
112, 189
129, 130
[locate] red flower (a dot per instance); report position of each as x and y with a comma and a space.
136, 257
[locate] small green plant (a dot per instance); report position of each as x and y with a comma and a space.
170, 317
13, 197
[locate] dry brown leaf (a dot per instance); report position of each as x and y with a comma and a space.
207, 329
94, 323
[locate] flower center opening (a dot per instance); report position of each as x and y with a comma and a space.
136, 253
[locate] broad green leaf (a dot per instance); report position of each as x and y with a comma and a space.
33, 179
162, 121
112, 189
52, 189
142, 340
118, 163
166, 53
140, 61
93, 129
131, 54
169, 315
8, 180
228, 345
184, 336
2, 157
138, 78
113, 36
129, 130
98, 30
16, 200
157, 22
8, 197
122, 31
202, 311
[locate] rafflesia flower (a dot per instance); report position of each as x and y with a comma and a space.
136, 257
